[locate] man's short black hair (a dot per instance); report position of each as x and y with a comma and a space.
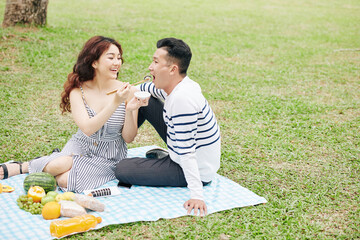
178, 52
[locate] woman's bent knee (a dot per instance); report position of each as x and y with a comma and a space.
62, 180
59, 165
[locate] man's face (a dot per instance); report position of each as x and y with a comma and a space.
160, 69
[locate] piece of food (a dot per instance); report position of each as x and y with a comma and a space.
41, 179
6, 189
27, 204
89, 202
51, 210
52, 194
36, 193
68, 196
71, 209
47, 199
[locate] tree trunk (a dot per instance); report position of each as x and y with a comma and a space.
25, 12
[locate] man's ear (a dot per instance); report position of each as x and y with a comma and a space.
174, 68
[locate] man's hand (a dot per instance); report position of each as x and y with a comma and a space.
196, 204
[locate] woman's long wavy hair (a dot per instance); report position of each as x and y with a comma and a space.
83, 70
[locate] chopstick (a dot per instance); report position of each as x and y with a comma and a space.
146, 78
111, 92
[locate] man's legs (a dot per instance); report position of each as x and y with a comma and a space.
154, 114
150, 172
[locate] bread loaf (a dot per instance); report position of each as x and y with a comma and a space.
89, 202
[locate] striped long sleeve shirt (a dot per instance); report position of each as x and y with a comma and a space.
193, 135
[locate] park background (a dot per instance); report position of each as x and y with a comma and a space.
282, 77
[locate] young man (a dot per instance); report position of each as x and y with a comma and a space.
185, 121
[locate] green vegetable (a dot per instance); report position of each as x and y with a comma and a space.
41, 179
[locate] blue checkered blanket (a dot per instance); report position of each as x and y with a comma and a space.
135, 204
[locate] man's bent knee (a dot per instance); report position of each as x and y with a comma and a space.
119, 170
124, 170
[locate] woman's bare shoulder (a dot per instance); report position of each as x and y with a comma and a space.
75, 92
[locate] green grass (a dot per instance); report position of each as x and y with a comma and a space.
283, 78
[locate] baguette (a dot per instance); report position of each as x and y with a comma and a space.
89, 202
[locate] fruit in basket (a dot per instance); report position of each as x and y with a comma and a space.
36, 193
41, 179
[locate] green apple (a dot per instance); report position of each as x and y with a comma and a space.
52, 194
47, 199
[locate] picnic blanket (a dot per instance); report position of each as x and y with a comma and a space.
137, 203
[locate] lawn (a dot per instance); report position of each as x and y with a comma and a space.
282, 76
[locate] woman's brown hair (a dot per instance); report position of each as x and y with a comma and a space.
83, 70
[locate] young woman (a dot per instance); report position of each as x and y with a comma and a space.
106, 122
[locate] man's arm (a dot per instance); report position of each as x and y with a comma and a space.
192, 176
150, 87
182, 130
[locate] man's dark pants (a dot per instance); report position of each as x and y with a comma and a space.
151, 171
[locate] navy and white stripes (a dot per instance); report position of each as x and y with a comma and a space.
193, 135
150, 87
191, 125
191, 131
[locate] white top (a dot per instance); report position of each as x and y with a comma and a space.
193, 135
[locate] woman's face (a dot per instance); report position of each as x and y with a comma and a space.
108, 64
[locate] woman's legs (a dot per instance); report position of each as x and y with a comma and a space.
12, 169
62, 179
59, 165
60, 168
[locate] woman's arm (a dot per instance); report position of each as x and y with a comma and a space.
130, 128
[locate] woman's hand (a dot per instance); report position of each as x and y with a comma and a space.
122, 93
135, 103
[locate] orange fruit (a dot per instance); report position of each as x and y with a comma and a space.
51, 210
36, 193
